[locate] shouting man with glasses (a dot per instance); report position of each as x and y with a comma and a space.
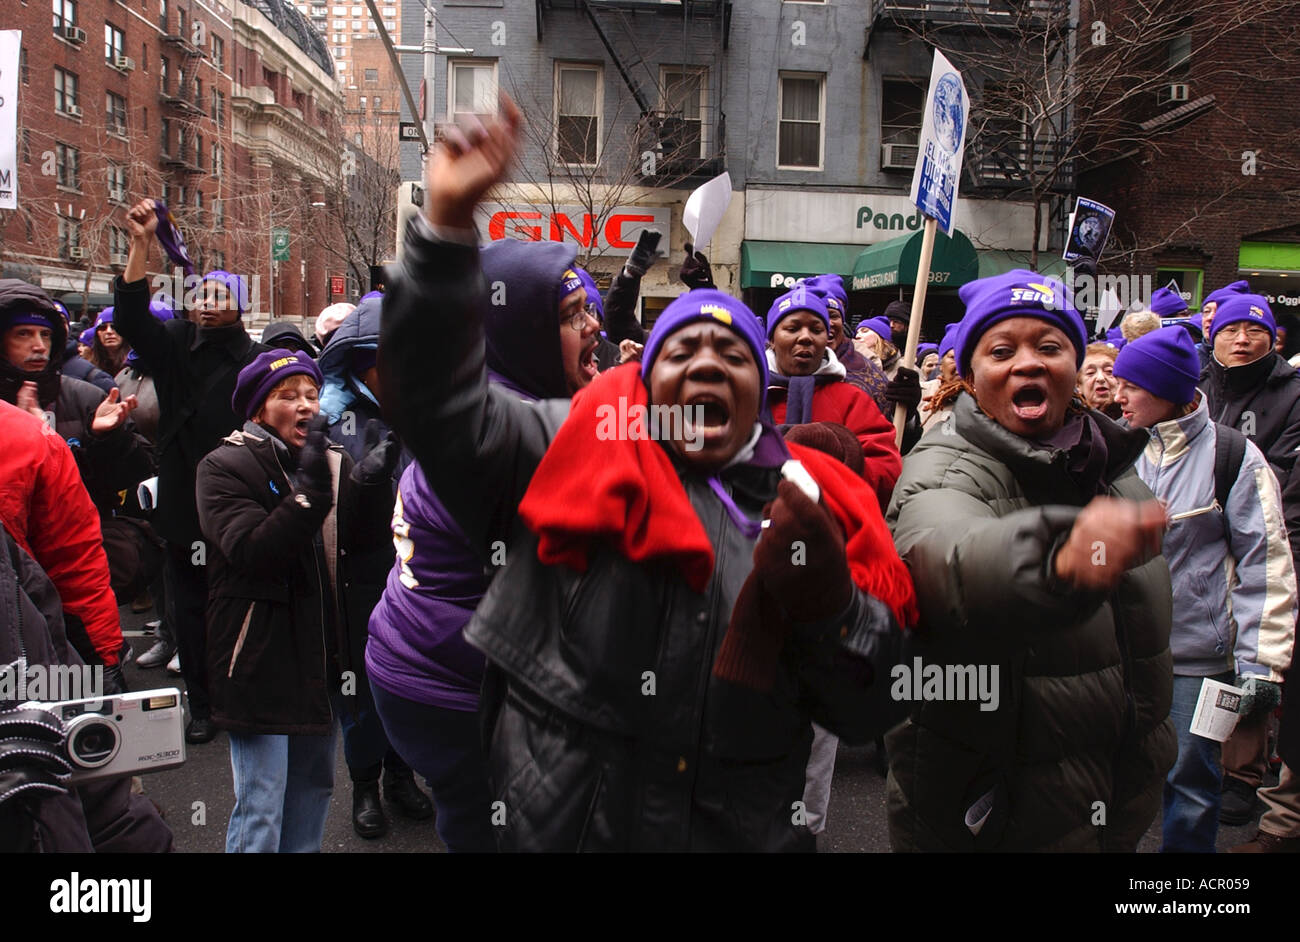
1252, 389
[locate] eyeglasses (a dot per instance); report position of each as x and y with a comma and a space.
579, 319
107, 327
1252, 331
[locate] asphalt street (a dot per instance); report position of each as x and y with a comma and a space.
197, 797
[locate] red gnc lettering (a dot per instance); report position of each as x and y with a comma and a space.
614, 229
560, 223
497, 226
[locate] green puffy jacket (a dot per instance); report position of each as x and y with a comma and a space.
1075, 753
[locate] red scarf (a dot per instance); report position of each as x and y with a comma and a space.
596, 487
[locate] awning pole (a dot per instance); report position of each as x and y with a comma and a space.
914, 325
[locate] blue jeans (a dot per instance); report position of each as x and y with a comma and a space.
445, 747
1192, 790
282, 793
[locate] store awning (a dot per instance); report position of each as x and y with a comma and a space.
1269, 257
780, 264
893, 263
98, 300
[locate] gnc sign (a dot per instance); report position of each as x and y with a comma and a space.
617, 230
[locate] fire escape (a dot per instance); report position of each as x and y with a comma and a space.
680, 120
183, 108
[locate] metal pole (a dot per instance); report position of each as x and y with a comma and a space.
270, 305
430, 71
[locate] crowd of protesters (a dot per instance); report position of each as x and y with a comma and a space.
590, 641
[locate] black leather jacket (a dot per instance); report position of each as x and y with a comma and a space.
607, 729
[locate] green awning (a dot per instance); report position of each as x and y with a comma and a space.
893, 263
1000, 261
1265, 257
72, 301
780, 264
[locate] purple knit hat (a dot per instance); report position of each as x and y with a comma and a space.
257, 379
708, 304
1243, 307
798, 298
949, 340
1226, 292
85, 338
830, 288
235, 285
1164, 362
1167, 303
104, 317
879, 326
1017, 293
593, 292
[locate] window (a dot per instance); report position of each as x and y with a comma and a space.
577, 106
198, 92
218, 107
375, 104
219, 260
901, 104
219, 53
800, 105
1180, 56
116, 182
163, 66
65, 13
144, 119
683, 103
218, 213
340, 52
356, 26
340, 11
216, 160
162, 15
372, 75
166, 138
363, 104
180, 24
472, 87
117, 242
27, 146
65, 90
69, 236
114, 42
181, 151
390, 11
144, 56
115, 111
22, 66
65, 163
198, 151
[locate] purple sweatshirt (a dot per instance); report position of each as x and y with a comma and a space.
416, 648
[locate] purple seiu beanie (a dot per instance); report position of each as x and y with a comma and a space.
798, 298
949, 341
256, 380
1115, 338
925, 349
1226, 292
830, 288
86, 338
1167, 303
1164, 362
1243, 307
878, 326
1018, 293
708, 304
236, 288
593, 291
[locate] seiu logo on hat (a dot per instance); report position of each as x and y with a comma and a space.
283, 361
1034, 294
717, 312
1256, 313
785, 304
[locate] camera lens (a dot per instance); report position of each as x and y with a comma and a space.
93, 742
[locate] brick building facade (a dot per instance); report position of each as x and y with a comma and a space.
217, 108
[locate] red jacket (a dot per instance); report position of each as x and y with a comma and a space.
45, 507
846, 404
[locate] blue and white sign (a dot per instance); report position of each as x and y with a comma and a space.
11, 41
943, 139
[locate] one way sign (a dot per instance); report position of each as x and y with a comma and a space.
408, 131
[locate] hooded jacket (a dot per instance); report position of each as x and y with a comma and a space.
78, 367
343, 390
1262, 401
194, 371
1233, 577
834, 400
1084, 679
581, 757
284, 335
417, 649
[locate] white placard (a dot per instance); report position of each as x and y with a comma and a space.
11, 41
943, 140
705, 208
1216, 710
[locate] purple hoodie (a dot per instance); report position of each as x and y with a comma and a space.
417, 649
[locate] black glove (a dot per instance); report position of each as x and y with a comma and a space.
904, 388
32, 744
315, 486
643, 256
382, 452
695, 270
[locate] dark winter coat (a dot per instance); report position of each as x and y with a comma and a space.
1262, 400
277, 645
194, 373
99, 817
582, 758
1085, 678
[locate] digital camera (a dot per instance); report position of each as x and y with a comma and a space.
123, 734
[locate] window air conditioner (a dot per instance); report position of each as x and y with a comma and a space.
898, 156
74, 34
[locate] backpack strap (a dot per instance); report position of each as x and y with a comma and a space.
1229, 453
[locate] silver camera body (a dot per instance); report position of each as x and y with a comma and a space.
122, 734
